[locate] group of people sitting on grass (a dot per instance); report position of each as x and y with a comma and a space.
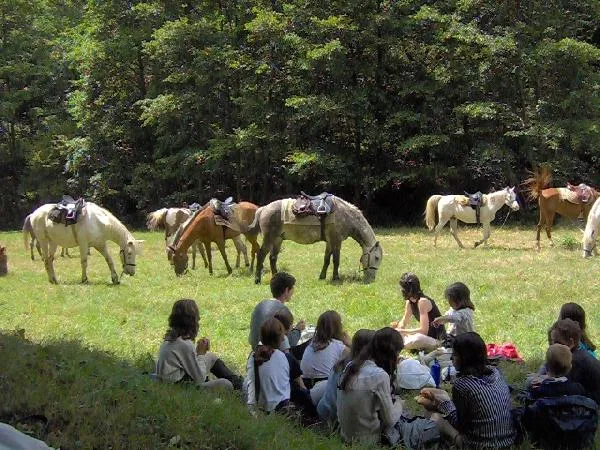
354, 384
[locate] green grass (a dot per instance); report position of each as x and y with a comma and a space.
88, 344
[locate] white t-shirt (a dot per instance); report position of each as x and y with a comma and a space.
320, 364
274, 378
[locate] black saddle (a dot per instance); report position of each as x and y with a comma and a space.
475, 201
220, 208
67, 211
313, 205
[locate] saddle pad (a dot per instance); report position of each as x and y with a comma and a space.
288, 216
229, 224
568, 195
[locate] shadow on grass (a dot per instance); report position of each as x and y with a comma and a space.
74, 397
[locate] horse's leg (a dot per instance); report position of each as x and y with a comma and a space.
254, 251
83, 254
274, 254
486, 235
326, 261
539, 228
436, 231
194, 256
241, 250
454, 231
221, 245
31, 244
337, 247
261, 255
202, 253
208, 256
104, 252
48, 251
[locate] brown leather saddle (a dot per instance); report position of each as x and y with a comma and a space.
475, 202
222, 209
314, 205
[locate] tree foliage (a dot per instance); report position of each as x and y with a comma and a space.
144, 104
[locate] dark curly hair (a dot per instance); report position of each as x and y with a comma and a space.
383, 349
280, 282
184, 320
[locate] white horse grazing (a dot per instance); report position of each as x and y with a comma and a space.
591, 230
451, 208
173, 220
95, 226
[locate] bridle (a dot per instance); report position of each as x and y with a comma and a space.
588, 252
368, 255
125, 263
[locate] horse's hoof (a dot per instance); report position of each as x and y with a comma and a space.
116, 282
54, 281
322, 277
85, 281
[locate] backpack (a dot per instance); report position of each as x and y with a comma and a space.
563, 422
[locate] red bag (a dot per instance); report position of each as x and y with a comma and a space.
507, 350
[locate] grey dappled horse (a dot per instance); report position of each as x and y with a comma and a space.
345, 220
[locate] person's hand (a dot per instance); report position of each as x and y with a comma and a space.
203, 346
300, 326
394, 324
431, 398
436, 322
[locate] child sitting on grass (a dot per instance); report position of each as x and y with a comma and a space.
460, 314
555, 382
179, 360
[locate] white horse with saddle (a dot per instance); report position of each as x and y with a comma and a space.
452, 208
591, 230
94, 227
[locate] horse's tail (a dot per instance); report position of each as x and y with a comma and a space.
156, 219
431, 211
540, 180
254, 227
27, 232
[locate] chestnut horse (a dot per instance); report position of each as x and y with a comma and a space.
552, 202
204, 229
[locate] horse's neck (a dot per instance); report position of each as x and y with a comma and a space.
117, 232
359, 228
496, 200
187, 237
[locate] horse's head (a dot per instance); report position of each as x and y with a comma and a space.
179, 259
127, 255
370, 261
510, 199
589, 241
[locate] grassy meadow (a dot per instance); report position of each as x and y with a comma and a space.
76, 353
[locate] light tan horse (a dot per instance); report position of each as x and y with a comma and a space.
94, 228
202, 227
551, 202
345, 220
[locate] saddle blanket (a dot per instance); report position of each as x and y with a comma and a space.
288, 216
570, 196
464, 200
227, 223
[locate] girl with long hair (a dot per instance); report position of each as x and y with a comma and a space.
328, 346
424, 310
575, 312
179, 360
460, 314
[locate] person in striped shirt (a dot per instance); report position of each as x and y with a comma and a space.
478, 415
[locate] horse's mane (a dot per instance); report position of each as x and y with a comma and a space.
537, 182
348, 204
114, 224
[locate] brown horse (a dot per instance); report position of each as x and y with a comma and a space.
204, 229
552, 201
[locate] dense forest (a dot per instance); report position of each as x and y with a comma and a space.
144, 104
